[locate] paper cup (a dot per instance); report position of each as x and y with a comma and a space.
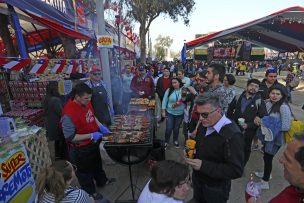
241, 121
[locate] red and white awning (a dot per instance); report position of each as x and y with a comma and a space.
281, 31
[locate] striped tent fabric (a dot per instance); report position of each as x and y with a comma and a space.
281, 31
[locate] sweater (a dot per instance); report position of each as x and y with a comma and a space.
222, 155
168, 101
290, 194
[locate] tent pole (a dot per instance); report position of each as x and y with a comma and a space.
18, 32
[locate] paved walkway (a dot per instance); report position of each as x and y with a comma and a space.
141, 173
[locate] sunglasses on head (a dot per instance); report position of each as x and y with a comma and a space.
271, 70
206, 114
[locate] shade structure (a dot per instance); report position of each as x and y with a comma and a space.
282, 31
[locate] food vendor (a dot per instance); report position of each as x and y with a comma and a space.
83, 131
100, 99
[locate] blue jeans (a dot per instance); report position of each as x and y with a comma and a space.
173, 123
203, 193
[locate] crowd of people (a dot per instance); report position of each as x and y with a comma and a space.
203, 100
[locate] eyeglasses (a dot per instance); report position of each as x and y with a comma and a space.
96, 74
206, 114
74, 167
187, 181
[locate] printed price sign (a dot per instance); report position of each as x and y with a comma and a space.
104, 41
16, 182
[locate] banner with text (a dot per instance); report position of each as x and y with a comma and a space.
17, 182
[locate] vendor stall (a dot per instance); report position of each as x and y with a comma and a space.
21, 159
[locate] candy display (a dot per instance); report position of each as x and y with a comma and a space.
28, 90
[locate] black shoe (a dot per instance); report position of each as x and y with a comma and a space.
161, 120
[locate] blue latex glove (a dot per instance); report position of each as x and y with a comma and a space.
96, 136
104, 129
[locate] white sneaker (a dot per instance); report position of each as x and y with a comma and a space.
166, 145
263, 185
261, 174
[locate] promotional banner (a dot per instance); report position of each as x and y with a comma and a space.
66, 14
104, 41
16, 182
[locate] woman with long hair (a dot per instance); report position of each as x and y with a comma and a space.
173, 108
54, 185
52, 108
277, 122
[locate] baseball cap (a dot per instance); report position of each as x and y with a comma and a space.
95, 68
142, 68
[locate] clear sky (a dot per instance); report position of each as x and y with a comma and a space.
216, 15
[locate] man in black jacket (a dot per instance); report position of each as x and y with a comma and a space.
219, 154
247, 106
269, 80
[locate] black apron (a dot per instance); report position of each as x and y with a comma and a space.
87, 158
100, 104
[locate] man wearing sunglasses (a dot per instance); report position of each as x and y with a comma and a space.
100, 99
269, 80
219, 154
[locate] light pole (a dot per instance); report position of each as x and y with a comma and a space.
104, 55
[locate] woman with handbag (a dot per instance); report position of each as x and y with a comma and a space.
278, 122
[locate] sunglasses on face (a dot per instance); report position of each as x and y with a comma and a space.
74, 167
206, 114
187, 181
96, 74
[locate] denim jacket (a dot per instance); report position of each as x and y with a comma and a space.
275, 125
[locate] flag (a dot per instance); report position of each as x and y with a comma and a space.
40, 67
71, 67
58, 66
17, 65
183, 54
81, 66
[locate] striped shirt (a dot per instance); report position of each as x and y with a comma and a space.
73, 194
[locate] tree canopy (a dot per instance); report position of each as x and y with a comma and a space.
145, 11
161, 47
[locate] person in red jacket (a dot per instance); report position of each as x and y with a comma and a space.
142, 85
83, 133
293, 163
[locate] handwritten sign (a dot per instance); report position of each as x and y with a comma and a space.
104, 41
16, 180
